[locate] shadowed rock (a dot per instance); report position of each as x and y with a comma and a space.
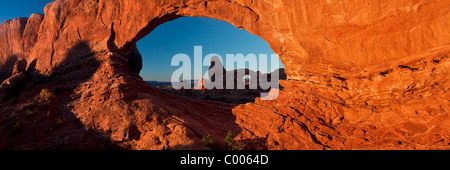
360, 75
134, 60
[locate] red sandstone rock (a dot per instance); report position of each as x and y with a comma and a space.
20, 67
361, 75
15, 81
200, 84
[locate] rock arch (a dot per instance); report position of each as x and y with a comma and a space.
361, 75
310, 36
239, 15
67, 22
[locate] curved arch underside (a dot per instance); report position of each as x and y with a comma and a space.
361, 75
308, 36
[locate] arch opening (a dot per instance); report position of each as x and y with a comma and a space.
205, 38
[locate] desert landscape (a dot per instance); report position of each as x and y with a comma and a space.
359, 75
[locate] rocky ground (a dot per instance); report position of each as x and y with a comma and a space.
394, 108
360, 75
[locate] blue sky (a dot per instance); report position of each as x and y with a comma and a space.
169, 39
181, 35
21, 8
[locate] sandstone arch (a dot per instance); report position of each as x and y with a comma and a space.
132, 21
361, 75
309, 36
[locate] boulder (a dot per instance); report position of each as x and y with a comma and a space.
134, 60
16, 81
20, 67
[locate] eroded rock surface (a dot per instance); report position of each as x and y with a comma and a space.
360, 75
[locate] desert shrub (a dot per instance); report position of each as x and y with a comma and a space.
209, 141
232, 144
44, 98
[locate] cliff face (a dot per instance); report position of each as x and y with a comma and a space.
361, 75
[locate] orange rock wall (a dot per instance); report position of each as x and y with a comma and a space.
309, 36
361, 74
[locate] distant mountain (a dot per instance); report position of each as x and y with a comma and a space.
157, 83
165, 83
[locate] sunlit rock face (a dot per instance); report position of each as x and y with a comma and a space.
360, 75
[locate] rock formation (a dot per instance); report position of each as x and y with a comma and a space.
200, 84
234, 79
360, 75
232, 86
17, 79
20, 67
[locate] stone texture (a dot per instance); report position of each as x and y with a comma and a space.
17, 79
309, 35
14, 81
391, 109
20, 67
360, 75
